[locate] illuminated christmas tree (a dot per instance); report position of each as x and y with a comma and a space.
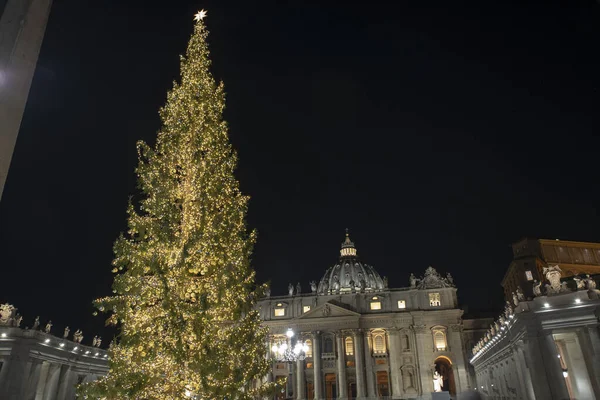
184, 290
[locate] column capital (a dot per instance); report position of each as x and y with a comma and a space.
358, 332
419, 328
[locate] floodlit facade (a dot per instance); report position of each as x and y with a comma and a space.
35, 365
365, 340
361, 339
545, 348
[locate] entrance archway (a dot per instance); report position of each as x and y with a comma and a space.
443, 365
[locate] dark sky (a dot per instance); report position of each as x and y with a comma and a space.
437, 132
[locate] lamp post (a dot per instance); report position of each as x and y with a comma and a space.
290, 351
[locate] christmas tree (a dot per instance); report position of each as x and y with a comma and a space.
184, 290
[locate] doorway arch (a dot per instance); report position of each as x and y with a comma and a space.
443, 365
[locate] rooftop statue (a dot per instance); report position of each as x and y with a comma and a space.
553, 274
78, 336
520, 294
580, 283
290, 289
7, 313
413, 280
313, 286
590, 283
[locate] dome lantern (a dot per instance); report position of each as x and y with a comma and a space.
348, 249
349, 275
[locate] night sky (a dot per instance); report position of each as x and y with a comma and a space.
438, 133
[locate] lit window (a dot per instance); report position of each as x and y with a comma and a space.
378, 342
401, 303
439, 340
529, 275
349, 346
305, 309
434, 299
309, 348
280, 312
375, 305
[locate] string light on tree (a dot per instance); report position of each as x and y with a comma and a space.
184, 291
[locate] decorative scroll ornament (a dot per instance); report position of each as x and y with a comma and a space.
433, 280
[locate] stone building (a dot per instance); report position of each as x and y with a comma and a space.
362, 339
544, 348
22, 28
36, 365
531, 256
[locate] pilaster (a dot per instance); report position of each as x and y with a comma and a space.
394, 350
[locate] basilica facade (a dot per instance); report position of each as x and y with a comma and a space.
358, 338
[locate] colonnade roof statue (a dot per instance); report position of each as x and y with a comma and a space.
349, 274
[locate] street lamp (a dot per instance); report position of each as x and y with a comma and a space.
294, 351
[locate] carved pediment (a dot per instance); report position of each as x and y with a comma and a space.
329, 310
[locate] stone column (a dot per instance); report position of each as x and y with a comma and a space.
52, 383
394, 350
300, 380
341, 366
359, 358
525, 390
556, 381
15, 372
41, 383
66, 380
371, 392
590, 340
317, 380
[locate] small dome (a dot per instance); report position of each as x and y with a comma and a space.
349, 274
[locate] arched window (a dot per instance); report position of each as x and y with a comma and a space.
328, 345
439, 339
309, 350
379, 341
349, 346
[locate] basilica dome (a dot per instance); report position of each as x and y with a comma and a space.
349, 274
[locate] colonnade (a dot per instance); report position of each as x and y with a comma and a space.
364, 379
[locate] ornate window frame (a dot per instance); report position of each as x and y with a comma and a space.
279, 308
439, 337
379, 344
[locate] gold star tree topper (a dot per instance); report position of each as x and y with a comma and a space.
199, 16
